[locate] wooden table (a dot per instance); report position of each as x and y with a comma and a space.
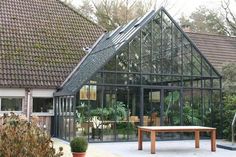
155, 129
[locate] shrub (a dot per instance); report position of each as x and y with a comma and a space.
229, 84
79, 144
229, 111
229, 78
21, 138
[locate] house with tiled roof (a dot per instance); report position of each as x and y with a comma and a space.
41, 42
218, 49
65, 69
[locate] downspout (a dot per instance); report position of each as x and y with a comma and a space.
28, 105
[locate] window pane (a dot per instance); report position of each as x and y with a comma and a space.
42, 104
134, 63
186, 57
187, 81
122, 78
196, 63
147, 79
11, 104
156, 57
134, 79
123, 60
176, 51
111, 65
216, 83
146, 49
206, 69
197, 107
110, 78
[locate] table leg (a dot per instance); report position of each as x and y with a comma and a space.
153, 142
140, 139
213, 140
197, 138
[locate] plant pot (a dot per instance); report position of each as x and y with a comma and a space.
79, 154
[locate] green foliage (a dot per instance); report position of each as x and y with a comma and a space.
125, 128
99, 112
229, 111
204, 20
79, 144
229, 87
171, 99
120, 110
20, 138
229, 78
190, 116
81, 115
116, 110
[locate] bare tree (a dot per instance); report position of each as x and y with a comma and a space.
229, 16
87, 9
113, 13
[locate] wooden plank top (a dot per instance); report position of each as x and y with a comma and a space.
176, 128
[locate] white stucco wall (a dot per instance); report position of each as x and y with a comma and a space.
12, 92
42, 92
20, 92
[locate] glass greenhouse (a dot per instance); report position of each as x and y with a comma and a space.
147, 72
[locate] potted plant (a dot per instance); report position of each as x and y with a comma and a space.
79, 146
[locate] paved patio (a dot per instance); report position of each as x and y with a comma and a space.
164, 149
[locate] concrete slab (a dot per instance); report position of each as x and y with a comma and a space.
92, 151
163, 149
227, 145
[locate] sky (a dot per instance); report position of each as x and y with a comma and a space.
184, 7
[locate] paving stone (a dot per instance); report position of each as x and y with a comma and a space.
163, 149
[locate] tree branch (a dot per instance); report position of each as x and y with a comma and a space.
230, 17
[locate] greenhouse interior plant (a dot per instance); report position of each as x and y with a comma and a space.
79, 147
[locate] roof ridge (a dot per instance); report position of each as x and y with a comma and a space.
210, 34
78, 13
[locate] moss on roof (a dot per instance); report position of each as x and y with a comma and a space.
41, 42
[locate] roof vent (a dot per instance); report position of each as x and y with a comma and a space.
87, 49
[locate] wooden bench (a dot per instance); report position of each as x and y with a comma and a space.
155, 129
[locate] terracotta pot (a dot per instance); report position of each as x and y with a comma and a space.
80, 154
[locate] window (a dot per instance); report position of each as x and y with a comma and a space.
43, 105
11, 104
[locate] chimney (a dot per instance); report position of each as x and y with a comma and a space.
186, 28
